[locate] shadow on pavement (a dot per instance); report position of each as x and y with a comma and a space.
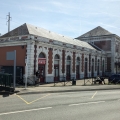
6, 91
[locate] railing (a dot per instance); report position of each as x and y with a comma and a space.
64, 82
6, 82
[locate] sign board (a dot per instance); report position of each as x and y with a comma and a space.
10, 55
42, 61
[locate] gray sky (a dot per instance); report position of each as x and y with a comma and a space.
67, 17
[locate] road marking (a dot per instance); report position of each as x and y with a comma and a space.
22, 99
94, 95
39, 98
7, 113
86, 103
33, 100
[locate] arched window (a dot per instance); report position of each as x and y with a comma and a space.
56, 59
68, 58
78, 61
56, 67
41, 55
56, 56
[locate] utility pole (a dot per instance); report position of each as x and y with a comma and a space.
8, 21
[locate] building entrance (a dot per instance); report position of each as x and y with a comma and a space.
41, 67
56, 72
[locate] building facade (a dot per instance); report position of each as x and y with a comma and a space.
105, 41
57, 57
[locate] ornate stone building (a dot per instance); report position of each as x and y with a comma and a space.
57, 57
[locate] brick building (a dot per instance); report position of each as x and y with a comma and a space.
55, 56
105, 41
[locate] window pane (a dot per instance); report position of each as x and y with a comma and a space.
78, 62
56, 62
68, 62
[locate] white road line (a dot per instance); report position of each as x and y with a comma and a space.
87, 103
94, 95
7, 113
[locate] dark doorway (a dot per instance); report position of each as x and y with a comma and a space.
56, 68
68, 67
68, 72
92, 71
41, 69
86, 67
78, 68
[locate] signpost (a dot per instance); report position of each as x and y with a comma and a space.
26, 71
12, 56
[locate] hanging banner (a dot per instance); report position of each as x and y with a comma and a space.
41, 60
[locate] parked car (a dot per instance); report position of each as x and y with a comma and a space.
114, 78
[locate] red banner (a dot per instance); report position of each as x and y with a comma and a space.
41, 61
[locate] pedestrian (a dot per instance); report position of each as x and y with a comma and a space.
37, 75
98, 79
102, 78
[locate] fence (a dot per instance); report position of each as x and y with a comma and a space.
65, 82
86, 81
6, 81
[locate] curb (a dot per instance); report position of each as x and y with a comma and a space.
37, 92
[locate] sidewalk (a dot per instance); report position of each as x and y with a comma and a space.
50, 88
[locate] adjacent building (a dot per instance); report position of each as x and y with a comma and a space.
104, 40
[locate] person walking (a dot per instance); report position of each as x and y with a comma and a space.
98, 79
37, 75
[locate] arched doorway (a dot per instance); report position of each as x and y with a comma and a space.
41, 67
86, 66
78, 68
56, 68
92, 71
68, 67
98, 67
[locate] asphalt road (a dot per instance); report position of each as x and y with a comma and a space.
85, 105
